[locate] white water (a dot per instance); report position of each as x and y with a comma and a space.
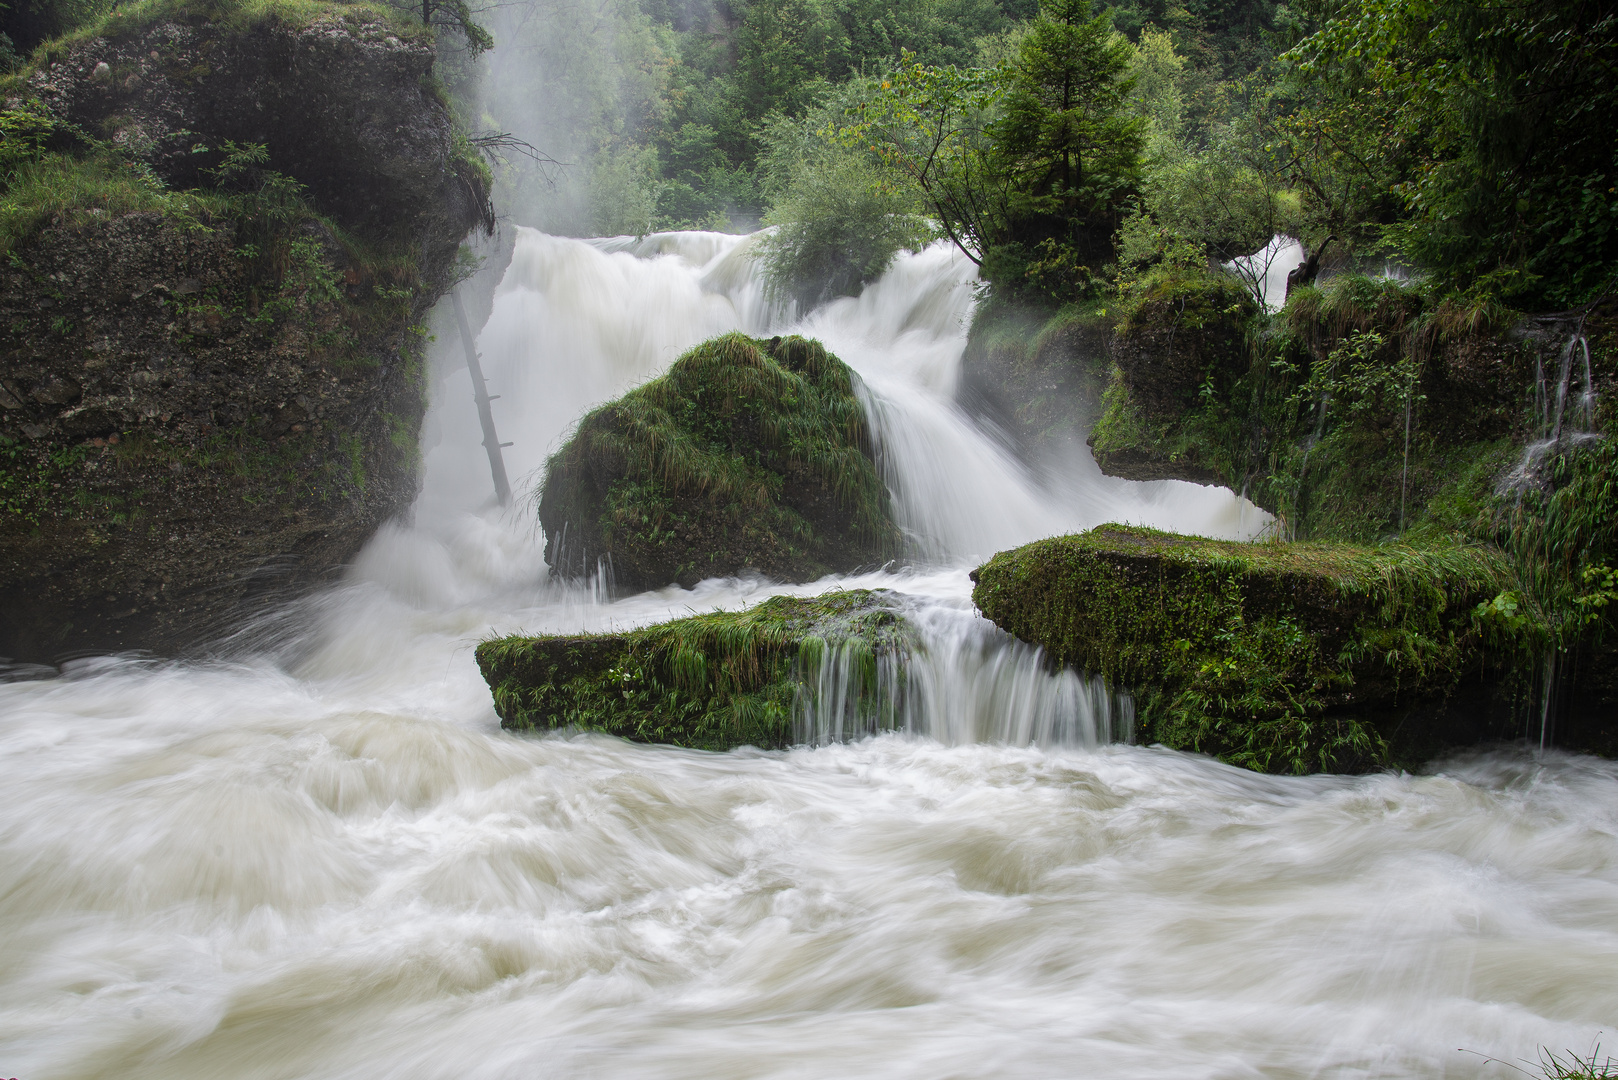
323, 859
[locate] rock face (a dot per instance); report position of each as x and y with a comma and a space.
208, 401
1183, 333
1035, 377
343, 101
745, 455
1182, 341
711, 682
1281, 657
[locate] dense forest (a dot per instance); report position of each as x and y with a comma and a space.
1067, 147
1064, 146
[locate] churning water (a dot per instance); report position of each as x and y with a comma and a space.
321, 858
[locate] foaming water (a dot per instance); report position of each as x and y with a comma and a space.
323, 859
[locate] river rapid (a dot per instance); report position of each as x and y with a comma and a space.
316, 855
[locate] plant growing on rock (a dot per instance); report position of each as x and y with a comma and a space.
1278, 657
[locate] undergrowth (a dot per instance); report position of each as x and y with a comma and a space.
235, 15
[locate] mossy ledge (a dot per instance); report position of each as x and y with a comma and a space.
745, 455
1280, 657
709, 682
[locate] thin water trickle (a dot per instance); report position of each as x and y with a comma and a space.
1559, 429
323, 859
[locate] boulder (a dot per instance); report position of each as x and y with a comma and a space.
1283, 657
212, 385
711, 682
746, 455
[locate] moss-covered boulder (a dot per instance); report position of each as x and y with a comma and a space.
1180, 343
712, 682
745, 455
1182, 331
1297, 657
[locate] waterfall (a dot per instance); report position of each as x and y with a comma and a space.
576, 323
1558, 427
320, 857
963, 682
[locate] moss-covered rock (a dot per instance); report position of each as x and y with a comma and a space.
1181, 343
1296, 657
745, 455
210, 352
1180, 332
341, 96
712, 682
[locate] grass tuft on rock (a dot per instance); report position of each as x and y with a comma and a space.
709, 682
745, 455
1280, 657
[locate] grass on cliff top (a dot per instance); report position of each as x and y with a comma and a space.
80, 191
1351, 566
237, 15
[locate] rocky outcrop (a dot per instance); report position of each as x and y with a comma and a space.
210, 397
1035, 376
711, 682
1298, 657
344, 101
1181, 342
746, 455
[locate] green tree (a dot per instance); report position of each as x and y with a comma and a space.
930, 125
1028, 167
1069, 150
839, 218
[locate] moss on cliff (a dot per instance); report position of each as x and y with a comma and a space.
746, 454
1297, 657
711, 682
236, 16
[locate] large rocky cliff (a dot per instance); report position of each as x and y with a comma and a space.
211, 322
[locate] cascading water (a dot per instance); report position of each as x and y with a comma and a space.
1565, 410
322, 858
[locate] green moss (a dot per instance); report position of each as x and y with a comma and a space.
76, 191
235, 15
745, 454
711, 682
1279, 657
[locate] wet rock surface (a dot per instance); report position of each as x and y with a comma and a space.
1298, 657
344, 104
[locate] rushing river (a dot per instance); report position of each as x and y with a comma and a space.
319, 856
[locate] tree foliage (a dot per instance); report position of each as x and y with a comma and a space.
1027, 165
1486, 123
839, 217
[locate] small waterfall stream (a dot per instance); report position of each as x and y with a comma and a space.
320, 857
